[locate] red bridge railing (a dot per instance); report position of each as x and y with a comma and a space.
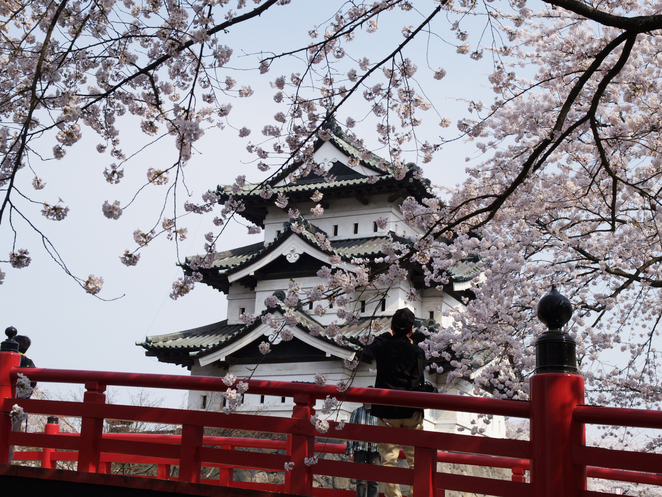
554, 462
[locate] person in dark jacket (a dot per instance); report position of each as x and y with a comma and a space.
400, 366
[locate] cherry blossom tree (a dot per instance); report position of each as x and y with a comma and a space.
569, 196
567, 193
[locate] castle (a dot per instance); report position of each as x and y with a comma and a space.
350, 212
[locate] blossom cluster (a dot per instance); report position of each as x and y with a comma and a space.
17, 414
19, 259
112, 211
93, 284
184, 285
24, 387
54, 212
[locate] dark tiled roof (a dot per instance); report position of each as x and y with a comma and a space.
237, 256
346, 145
255, 206
360, 247
347, 182
184, 346
466, 270
185, 343
232, 260
253, 190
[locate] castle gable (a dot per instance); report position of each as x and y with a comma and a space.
226, 343
340, 170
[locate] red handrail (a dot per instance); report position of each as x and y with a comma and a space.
94, 450
484, 405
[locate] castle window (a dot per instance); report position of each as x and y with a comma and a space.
383, 305
261, 399
335, 230
204, 402
431, 314
356, 228
375, 228
282, 400
310, 306
242, 310
363, 306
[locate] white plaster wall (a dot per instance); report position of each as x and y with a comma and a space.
344, 213
396, 299
464, 422
239, 297
431, 300
435, 301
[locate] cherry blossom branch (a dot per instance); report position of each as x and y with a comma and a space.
34, 100
184, 46
547, 145
639, 24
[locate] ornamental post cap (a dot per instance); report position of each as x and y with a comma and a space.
10, 345
11, 332
554, 310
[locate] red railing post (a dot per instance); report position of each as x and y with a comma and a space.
225, 473
52, 427
299, 480
554, 433
190, 463
518, 474
425, 469
163, 471
555, 390
8, 361
91, 430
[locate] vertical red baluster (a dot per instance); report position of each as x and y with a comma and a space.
8, 360
226, 473
299, 480
190, 464
518, 475
52, 427
553, 434
425, 469
163, 471
91, 429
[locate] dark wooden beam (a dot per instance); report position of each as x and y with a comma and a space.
395, 197
361, 198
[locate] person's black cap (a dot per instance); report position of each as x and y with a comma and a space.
403, 321
23, 343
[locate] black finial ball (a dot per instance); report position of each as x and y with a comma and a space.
10, 345
554, 310
11, 332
